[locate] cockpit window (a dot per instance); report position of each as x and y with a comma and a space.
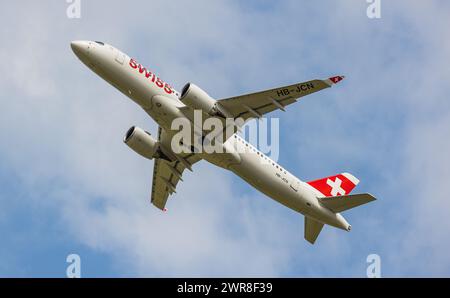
100, 43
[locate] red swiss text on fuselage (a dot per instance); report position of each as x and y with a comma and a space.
151, 76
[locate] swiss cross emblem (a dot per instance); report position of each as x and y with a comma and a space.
336, 79
336, 188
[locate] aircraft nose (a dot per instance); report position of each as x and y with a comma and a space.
80, 47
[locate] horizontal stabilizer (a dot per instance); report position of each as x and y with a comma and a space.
312, 229
342, 203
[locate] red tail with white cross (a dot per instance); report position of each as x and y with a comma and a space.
337, 185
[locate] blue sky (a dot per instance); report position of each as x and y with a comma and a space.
69, 185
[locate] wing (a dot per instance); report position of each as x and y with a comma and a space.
255, 105
166, 174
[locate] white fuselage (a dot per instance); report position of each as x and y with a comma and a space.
162, 104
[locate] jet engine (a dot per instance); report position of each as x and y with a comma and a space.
142, 142
196, 98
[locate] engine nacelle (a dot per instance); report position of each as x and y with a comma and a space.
141, 142
196, 98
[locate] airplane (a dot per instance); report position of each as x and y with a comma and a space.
321, 201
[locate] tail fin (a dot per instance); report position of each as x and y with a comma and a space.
332, 186
312, 229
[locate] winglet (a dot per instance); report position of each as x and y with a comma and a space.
335, 80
